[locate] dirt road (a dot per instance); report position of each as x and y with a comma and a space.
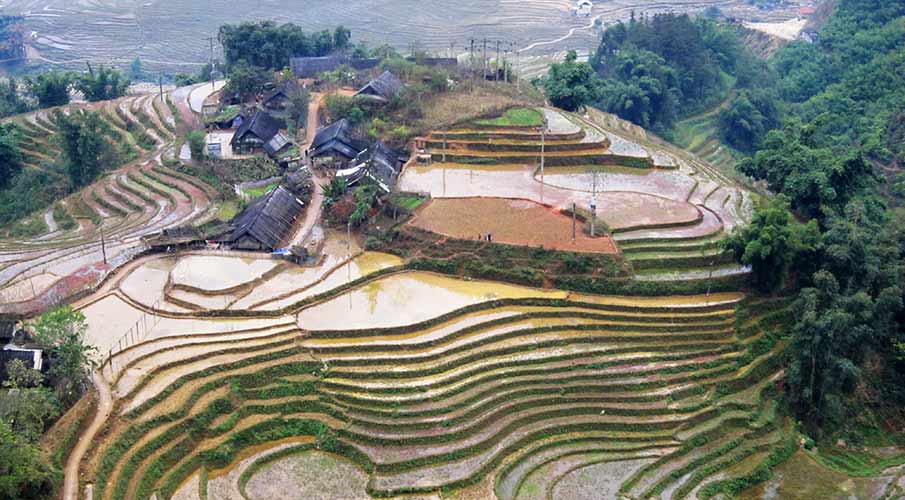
316, 205
104, 408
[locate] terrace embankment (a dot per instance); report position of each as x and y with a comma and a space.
417, 383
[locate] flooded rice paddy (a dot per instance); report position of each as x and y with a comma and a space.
213, 273
620, 209
408, 298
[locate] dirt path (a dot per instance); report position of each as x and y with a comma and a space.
86, 440
316, 206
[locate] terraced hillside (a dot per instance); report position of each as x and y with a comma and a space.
69, 33
97, 229
666, 209
485, 389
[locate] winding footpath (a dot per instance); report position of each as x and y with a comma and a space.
104, 409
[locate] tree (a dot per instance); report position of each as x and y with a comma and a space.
11, 103
750, 115
62, 331
816, 179
51, 89
341, 37
135, 69
773, 243
23, 473
20, 376
103, 84
87, 152
644, 90
246, 79
299, 102
10, 154
848, 315
571, 84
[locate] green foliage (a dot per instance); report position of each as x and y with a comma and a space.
51, 88
850, 85
11, 102
102, 84
87, 151
10, 154
516, 117
850, 313
299, 102
773, 243
197, 140
335, 190
268, 45
570, 84
62, 332
246, 79
23, 472
355, 109
817, 179
660, 68
750, 115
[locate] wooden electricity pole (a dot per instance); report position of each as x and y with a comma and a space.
593, 203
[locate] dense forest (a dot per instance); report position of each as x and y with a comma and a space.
821, 124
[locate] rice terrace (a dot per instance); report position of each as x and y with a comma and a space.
392, 265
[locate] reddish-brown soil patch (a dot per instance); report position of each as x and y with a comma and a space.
516, 222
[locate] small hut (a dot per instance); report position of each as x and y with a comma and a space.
384, 88
276, 101
264, 224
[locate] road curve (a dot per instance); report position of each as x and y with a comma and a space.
86, 439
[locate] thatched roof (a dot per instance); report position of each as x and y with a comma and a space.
269, 219
384, 87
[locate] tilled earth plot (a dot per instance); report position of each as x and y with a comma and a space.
168, 34
413, 384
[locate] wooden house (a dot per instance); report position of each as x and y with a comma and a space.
384, 88
258, 132
334, 146
269, 220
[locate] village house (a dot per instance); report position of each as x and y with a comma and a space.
260, 131
264, 224
384, 88
276, 101
335, 147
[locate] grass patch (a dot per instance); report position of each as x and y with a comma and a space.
408, 202
228, 210
515, 117
33, 225
63, 218
855, 463
261, 191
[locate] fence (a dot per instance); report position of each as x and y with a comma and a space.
134, 335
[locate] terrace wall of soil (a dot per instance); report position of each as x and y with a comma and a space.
376, 430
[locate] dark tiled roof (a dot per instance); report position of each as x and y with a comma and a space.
336, 137
269, 219
384, 163
307, 67
261, 125
386, 86
288, 88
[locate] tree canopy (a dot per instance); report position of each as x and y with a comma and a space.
571, 84
269, 45
102, 84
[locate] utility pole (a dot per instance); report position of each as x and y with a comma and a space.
211, 40
593, 203
574, 221
484, 57
543, 148
160, 81
518, 70
471, 62
103, 247
496, 72
444, 145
